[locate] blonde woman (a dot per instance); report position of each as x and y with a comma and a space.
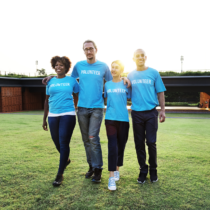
116, 121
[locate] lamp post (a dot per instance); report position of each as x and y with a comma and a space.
182, 59
36, 63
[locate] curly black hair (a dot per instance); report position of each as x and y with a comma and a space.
64, 60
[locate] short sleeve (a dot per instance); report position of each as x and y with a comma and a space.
129, 93
105, 94
47, 90
159, 86
74, 73
76, 87
108, 75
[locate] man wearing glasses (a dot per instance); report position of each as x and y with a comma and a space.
91, 73
147, 90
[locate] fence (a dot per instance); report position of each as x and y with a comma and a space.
14, 99
32, 101
11, 99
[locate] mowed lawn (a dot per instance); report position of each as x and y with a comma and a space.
29, 162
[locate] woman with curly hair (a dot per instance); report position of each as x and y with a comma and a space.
59, 107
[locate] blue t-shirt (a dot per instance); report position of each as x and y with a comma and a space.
60, 92
117, 94
145, 86
91, 83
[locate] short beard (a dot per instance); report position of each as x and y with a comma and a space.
90, 58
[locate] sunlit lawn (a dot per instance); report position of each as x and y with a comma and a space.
29, 162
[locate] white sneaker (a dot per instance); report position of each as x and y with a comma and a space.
112, 184
116, 175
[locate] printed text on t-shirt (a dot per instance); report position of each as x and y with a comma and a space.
60, 84
145, 81
116, 90
90, 72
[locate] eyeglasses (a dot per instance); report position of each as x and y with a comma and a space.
89, 49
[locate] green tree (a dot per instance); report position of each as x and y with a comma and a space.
41, 72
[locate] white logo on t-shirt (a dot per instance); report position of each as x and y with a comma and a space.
60, 84
145, 81
118, 90
90, 72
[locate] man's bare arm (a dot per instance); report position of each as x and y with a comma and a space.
46, 80
126, 81
161, 99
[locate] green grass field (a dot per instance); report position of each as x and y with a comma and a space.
29, 162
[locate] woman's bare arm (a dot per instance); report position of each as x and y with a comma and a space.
46, 110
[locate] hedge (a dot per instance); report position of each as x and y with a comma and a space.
166, 73
186, 73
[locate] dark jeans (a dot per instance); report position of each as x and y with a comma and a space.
90, 122
61, 129
117, 133
145, 125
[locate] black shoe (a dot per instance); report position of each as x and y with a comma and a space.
153, 176
97, 175
67, 163
89, 173
142, 178
58, 180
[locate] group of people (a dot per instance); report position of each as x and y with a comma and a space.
143, 86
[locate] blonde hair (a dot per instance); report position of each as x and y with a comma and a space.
120, 64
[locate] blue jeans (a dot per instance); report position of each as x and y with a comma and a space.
61, 129
90, 122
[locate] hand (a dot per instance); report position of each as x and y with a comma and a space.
46, 80
44, 126
162, 116
126, 81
